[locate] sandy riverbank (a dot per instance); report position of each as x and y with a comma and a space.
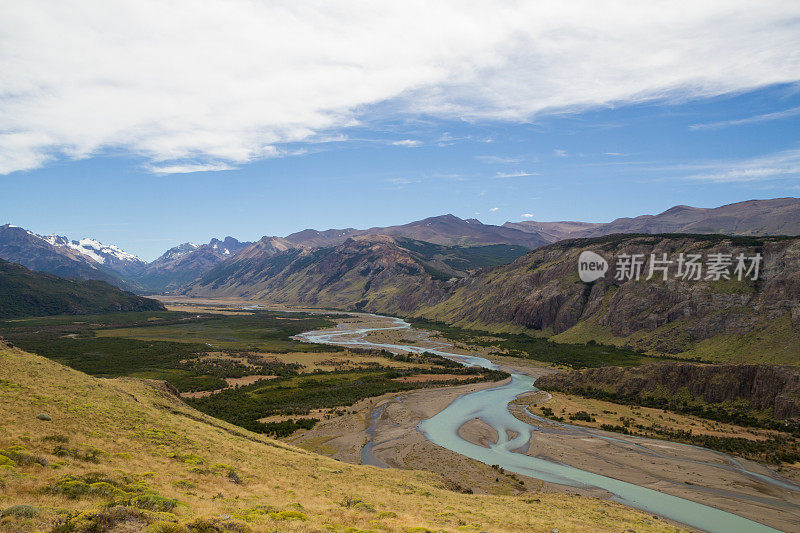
689, 472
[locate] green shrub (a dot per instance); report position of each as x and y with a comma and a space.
56, 438
21, 511
151, 501
215, 525
99, 520
89, 454
21, 456
288, 515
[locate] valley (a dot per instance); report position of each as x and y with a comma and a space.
503, 374
388, 428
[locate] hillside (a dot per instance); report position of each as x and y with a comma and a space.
540, 293
150, 460
725, 320
374, 272
777, 216
27, 293
768, 391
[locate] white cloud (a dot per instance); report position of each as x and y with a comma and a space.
560, 153
494, 159
527, 215
407, 142
231, 81
493, 209
766, 117
781, 165
517, 174
188, 168
404, 181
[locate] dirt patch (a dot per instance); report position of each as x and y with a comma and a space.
246, 380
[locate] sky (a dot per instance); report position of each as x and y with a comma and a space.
146, 124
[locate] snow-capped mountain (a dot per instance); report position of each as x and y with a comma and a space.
109, 255
86, 259
185, 262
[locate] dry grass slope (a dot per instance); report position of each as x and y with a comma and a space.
79, 453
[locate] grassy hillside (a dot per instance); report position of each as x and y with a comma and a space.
80, 453
707, 320
27, 293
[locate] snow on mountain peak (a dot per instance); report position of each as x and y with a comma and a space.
91, 248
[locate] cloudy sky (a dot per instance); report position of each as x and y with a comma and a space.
149, 123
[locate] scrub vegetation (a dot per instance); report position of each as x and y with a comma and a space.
162, 466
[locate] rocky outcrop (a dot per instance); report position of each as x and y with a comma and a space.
762, 387
542, 291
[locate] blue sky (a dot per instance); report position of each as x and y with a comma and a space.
89, 159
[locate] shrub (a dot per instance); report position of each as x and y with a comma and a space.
56, 438
21, 511
288, 515
88, 454
215, 525
21, 456
151, 501
98, 520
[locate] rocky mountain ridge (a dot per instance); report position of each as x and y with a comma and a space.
777, 216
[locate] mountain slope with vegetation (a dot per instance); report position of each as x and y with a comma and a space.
374, 273
725, 320
540, 293
27, 293
152, 463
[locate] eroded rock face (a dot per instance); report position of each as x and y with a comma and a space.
763, 387
542, 291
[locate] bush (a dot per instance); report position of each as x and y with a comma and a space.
98, 520
215, 525
20, 455
88, 454
288, 515
21, 511
151, 501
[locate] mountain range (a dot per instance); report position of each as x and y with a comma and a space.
228, 264
778, 216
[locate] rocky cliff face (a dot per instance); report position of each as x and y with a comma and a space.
542, 291
762, 387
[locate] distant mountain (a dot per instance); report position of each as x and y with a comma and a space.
27, 293
779, 216
361, 269
185, 263
554, 231
85, 259
448, 230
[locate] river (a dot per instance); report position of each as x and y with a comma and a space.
491, 406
